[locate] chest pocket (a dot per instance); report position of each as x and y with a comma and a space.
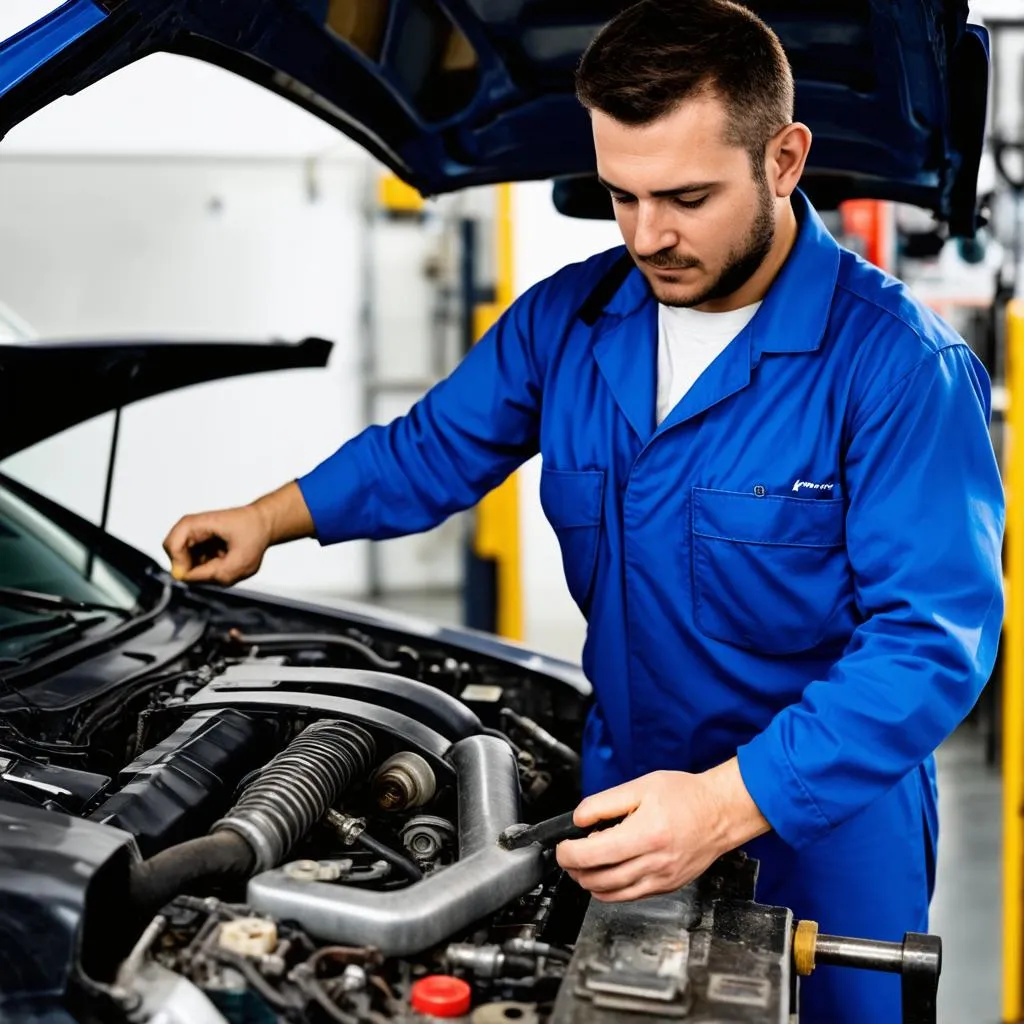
572, 501
769, 573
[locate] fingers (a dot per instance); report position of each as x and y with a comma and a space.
645, 887
638, 882
610, 803
603, 849
622, 876
184, 535
212, 547
208, 572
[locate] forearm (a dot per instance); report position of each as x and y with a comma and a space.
738, 818
284, 514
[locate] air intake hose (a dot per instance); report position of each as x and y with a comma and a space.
289, 796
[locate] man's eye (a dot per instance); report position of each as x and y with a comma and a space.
623, 199
691, 204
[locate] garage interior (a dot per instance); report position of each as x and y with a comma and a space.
175, 200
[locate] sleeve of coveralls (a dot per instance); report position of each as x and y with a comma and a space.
455, 444
924, 532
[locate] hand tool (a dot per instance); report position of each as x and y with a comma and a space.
551, 831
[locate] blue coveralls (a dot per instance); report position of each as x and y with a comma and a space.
800, 565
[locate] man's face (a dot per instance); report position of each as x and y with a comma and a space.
691, 213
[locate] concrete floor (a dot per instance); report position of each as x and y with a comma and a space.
966, 910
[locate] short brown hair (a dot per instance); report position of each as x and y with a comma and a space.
658, 53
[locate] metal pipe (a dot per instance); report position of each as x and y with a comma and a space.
867, 954
409, 920
128, 970
488, 792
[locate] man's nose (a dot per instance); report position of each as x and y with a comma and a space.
653, 233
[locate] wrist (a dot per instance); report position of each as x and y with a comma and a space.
283, 515
737, 818
264, 513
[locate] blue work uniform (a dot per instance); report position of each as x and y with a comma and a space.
799, 566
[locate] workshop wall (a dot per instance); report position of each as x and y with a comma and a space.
195, 250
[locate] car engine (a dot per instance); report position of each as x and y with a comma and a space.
314, 814
295, 819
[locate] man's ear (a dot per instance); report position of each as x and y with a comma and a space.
785, 157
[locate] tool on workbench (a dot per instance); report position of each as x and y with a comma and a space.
551, 831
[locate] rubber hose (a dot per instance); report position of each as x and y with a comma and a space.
396, 860
180, 869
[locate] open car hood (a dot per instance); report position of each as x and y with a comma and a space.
452, 93
108, 375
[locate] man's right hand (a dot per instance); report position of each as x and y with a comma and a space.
228, 545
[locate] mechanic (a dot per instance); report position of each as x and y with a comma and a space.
770, 473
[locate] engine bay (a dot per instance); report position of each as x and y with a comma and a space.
315, 813
291, 816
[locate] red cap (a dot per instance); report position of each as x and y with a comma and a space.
440, 995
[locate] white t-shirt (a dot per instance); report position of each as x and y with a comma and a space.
689, 340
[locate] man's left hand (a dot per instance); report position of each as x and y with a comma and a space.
678, 824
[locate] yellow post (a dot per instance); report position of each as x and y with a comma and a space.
1013, 675
396, 197
497, 520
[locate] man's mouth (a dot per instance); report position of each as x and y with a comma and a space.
672, 271
671, 268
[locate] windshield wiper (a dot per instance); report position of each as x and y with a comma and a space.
52, 629
42, 624
18, 598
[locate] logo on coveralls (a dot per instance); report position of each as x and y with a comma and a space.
807, 485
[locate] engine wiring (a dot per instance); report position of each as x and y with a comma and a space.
344, 984
286, 641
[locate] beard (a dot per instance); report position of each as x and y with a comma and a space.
740, 265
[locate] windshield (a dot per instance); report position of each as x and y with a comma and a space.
12, 327
40, 557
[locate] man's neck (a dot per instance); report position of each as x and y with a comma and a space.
755, 289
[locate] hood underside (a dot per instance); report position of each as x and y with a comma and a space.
108, 375
454, 93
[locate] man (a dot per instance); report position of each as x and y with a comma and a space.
770, 474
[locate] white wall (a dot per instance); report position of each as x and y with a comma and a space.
544, 242
982, 9
192, 249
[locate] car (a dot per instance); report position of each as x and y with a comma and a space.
219, 805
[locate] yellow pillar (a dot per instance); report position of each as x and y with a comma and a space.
1013, 675
497, 517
